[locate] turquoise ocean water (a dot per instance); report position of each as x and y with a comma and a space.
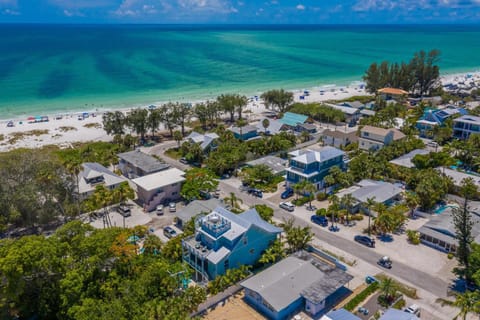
46, 69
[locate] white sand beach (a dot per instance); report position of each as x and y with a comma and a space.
69, 129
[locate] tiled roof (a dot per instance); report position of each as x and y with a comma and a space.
393, 91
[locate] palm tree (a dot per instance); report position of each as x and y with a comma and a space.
122, 193
468, 302
305, 136
265, 124
412, 201
233, 200
348, 201
369, 205
73, 163
177, 136
153, 120
299, 187
334, 204
329, 180
388, 288
309, 188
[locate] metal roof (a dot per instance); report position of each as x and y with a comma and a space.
346, 110
382, 191
292, 119
468, 119
321, 155
297, 276
143, 161
160, 179
340, 314
458, 176
406, 159
395, 314
93, 170
274, 126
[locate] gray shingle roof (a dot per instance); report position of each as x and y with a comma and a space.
275, 163
296, 276
406, 159
143, 161
382, 191
441, 227
196, 207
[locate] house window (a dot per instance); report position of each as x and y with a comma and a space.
252, 251
226, 264
245, 240
174, 193
365, 134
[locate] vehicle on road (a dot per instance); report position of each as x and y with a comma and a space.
172, 207
367, 241
255, 192
363, 311
321, 220
310, 208
413, 309
370, 279
159, 210
333, 228
287, 193
287, 206
169, 232
385, 262
216, 194
124, 210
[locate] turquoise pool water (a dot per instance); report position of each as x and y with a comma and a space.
439, 210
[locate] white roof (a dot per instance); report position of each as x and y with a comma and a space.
458, 176
217, 256
160, 179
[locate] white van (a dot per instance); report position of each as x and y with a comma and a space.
413, 309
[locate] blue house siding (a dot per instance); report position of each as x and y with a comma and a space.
319, 170
257, 302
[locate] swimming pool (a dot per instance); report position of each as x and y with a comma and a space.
440, 209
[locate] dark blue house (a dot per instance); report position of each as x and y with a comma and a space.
436, 117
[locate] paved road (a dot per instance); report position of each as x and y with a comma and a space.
420, 278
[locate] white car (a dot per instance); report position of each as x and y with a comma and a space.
413, 309
287, 206
172, 207
159, 210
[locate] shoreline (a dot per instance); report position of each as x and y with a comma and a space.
101, 106
70, 129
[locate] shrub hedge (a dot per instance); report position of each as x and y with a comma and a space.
352, 304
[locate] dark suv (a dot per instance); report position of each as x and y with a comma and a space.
169, 232
321, 220
367, 241
287, 193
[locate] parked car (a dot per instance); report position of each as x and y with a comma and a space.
183, 160
385, 262
172, 207
216, 194
159, 210
124, 210
287, 193
255, 192
169, 232
287, 206
321, 220
367, 241
363, 311
413, 309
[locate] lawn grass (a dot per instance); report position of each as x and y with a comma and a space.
173, 153
406, 290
